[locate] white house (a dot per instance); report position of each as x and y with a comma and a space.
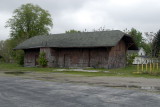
141, 58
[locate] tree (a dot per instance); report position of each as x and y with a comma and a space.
150, 38
147, 47
137, 36
130, 58
29, 20
139, 40
1, 49
6, 49
156, 44
1, 45
8, 54
73, 31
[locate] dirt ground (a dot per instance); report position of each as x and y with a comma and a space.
108, 81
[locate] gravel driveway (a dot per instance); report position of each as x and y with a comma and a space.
20, 92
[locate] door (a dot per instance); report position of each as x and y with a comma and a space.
66, 61
36, 60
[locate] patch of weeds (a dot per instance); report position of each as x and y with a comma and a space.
97, 69
152, 73
15, 72
137, 72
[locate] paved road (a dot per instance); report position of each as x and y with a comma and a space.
19, 92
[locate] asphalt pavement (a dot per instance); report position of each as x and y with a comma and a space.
20, 92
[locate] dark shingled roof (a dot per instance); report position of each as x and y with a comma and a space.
75, 40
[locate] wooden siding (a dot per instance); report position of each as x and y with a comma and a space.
109, 57
83, 57
50, 56
114, 57
117, 56
30, 58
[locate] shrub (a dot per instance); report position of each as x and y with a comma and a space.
19, 57
1, 59
130, 58
42, 61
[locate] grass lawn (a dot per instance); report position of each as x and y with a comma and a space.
130, 71
16, 67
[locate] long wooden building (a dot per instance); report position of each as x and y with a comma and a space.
103, 49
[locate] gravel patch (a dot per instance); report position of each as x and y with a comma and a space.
79, 70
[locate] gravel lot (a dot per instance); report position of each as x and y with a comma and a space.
150, 84
21, 92
110, 81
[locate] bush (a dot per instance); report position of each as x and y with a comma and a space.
1, 59
19, 57
130, 58
42, 61
20, 60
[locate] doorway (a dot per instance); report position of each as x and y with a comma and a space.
36, 60
66, 61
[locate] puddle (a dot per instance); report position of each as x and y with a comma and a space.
15, 73
150, 88
147, 88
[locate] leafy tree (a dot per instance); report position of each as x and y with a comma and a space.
150, 38
147, 47
73, 31
1, 44
1, 50
1, 47
19, 57
139, 40
130, 58
156, 44
7, 52
137, 36
29, 20
6, 49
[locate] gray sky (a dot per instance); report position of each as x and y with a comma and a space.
143, 15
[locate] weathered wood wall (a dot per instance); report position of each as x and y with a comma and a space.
30, 58
117, 56
83, 57
114, 57
51, 56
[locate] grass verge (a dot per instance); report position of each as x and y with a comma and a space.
129, 71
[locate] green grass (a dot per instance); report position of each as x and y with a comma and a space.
16, 67
129, 71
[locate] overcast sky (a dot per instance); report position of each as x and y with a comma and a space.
143, 15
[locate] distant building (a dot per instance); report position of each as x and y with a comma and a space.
141, 58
